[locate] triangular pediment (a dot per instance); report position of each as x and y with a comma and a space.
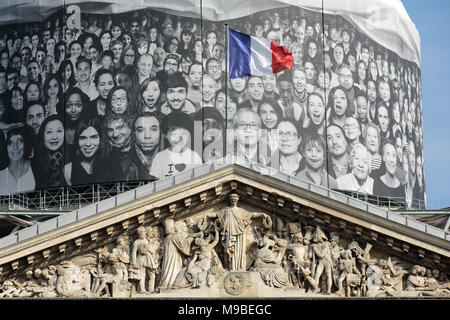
92, 245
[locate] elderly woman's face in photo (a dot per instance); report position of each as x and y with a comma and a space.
372, 140
288, 137
351, 128
15, 147
89, 142
53, 135
361, 164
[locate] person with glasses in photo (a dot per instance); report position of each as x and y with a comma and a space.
247, 126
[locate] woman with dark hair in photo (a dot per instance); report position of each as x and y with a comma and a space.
171, 45
210, 40
52, 95
154, 40
18, 176
32, 92
104, 82
87, 165
372, 98
149, 96
372, 71
315, 108
75, 49
116, 31
227, 108
129, 57
60, 53
105, 40
338, 107
360, 75
311, 75
270, 113
396, 116
312, 52
238, 89
40, 54
76, 105
127, 39
15, 112
86, 39
66, 73
35, 41
119, 101
49, 159
200, 51
186, 42
388, 184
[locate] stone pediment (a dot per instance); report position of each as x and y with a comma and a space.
281, 239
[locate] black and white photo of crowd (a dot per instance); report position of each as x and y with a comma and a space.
119, 99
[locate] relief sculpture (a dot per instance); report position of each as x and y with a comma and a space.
231, 252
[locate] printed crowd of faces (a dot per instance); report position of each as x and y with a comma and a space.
347, 116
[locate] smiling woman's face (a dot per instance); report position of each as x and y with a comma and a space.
54, 135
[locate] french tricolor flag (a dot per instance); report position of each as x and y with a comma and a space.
255, 56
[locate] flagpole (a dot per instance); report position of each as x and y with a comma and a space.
226, 88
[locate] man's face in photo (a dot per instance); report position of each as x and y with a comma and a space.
147, 133
336, 141
118, 133
255, 88
247, 128
176, 97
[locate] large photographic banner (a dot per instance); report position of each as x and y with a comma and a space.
139, 92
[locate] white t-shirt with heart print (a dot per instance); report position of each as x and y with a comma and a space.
167, 163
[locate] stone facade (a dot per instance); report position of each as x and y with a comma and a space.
232, 238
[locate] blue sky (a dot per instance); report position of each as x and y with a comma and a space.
432, 20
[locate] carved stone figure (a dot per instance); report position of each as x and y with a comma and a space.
268, 260
68, 284
175, 245
322, 252
234, 221
299, 259
348, 273
143, 265
112, 270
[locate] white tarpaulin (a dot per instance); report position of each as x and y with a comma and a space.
385, 21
